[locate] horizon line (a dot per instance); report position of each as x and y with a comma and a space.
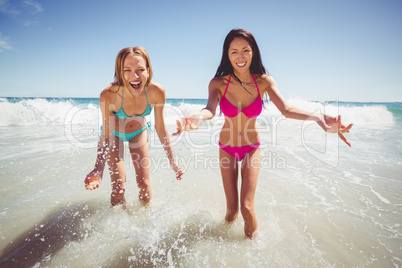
37, 97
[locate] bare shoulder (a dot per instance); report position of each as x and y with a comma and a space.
110, 93
155, 87
218, 84
156, 92
219, 81
265, 81
265, 78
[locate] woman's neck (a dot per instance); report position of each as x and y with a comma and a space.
244, 80
244, 76
135, 94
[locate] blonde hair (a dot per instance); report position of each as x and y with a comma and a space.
119, 67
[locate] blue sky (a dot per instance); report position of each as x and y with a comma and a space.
346, 50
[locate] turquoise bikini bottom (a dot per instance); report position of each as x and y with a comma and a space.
129, 136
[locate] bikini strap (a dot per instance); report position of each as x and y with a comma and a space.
226, 89
146, 95
149, 125
255, 82
122, 95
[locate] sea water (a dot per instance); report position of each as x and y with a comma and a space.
319, 203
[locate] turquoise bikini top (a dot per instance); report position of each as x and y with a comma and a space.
122, 115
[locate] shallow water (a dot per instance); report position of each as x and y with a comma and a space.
319, 203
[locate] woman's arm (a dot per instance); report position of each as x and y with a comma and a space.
326, 122
103, 144
208, 112
160, 96
92, 180
192, 121
283, 106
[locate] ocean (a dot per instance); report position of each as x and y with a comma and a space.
319, 203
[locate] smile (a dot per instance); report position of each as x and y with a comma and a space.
241, 64
135, 85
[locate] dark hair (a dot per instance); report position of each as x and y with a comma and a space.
225, 67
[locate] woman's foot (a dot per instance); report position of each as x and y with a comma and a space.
250, 228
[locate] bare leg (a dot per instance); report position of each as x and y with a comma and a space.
139, 150
249, 172
229, 171
117, 172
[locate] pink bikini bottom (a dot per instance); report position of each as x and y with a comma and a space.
239, 152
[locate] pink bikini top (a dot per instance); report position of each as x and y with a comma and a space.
251, 111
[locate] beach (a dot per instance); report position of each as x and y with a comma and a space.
319, 203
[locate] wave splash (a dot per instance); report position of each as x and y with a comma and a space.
55, 112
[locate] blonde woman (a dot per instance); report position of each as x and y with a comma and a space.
124, 105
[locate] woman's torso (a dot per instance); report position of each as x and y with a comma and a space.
240, 109
126, 110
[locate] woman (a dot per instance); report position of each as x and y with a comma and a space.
124, 105
239, 86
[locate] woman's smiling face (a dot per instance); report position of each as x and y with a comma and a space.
135, 72
240, 54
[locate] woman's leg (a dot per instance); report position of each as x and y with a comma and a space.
117, 172
229, 171
139, 150
249, 173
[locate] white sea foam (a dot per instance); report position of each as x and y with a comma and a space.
364, 115
315, 208
43, 112
27, 112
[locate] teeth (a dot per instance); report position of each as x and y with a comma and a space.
241, 64
135, 83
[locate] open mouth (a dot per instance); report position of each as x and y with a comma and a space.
241, 64
136, 85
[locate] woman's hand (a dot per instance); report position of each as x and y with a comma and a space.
333, 125
93, 180
178, 171
190, 122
